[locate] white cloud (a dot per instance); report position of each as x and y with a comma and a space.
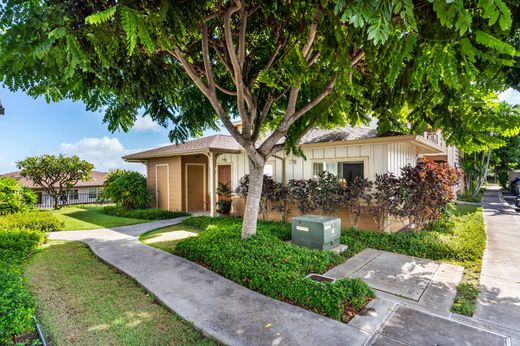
104, 153
511, 96
146, 123
7, 165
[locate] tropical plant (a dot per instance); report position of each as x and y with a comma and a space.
277, 66
327, 195
425, 190
384, 199
14, 197
127, 189
279, 198
354, 198
301, 193
224, 193
56, 175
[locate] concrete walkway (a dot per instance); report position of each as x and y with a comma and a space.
220, 308
236, 315
499, 298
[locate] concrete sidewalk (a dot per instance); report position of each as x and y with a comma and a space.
236, 315
499, 298
220, 308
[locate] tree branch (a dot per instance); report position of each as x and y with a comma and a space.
205, 56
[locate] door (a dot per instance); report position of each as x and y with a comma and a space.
196, 186
161, 187
224, 175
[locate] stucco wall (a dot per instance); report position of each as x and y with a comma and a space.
175, 180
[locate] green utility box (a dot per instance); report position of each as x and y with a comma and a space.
316, 232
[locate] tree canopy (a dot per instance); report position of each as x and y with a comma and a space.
56, 175
281, 67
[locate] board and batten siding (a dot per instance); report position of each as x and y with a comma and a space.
379, 158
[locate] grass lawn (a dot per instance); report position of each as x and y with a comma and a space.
82, 301
83, 217
153, 238
467, 197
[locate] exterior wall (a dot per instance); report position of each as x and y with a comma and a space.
175, 180
366, 222
377, 158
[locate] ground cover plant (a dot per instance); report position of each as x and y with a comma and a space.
86, 217
98, 305
459, 239
20, 235
143, 214
469, 197
267, 264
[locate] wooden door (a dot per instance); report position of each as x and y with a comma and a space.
224, 174
161, 188
196, 187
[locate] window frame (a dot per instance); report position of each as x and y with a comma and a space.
358, 159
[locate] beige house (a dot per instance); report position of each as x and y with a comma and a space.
82, 192
185, 176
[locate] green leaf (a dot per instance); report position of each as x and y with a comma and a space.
492, 42
101, 17
129, 23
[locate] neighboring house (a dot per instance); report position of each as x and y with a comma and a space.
82, 192
185, 176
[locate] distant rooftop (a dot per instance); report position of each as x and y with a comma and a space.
96, 179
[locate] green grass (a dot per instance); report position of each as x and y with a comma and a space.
168, 246
460, 241
467, 197
82, 301
86, 217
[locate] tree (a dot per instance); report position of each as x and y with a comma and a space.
55, 174
126, 188
282, 67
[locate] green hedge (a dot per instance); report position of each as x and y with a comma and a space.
36, 220
16, 245
267, 264
462, 239
144, 214
17, 307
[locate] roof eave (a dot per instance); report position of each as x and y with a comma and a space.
132, 158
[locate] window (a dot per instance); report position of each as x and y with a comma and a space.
73, 194
346, 171
92, 193
350, 170
319, 167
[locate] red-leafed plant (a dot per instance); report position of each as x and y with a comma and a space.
354, 196
425, 190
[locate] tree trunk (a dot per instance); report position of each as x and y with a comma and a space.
483, 178
254, 193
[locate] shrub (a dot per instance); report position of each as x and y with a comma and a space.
302, 192
425, 190
384, 199
34, 220
503, 179
328, 193
14, 197
144, 214
127, 188
17, 307
353, 196
266, 196
265, 263
17, 244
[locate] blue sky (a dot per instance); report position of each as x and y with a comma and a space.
33, 127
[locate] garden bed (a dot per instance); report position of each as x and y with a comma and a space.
267, 264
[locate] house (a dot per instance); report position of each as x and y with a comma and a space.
82, 193
185, 176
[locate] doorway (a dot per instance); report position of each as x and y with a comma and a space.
195, 186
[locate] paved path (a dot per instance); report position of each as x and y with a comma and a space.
236, 315
220, 308
499, 298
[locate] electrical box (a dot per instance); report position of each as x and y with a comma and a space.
316, 232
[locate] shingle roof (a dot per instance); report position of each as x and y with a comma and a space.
218, 143
339, 134
96, 179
